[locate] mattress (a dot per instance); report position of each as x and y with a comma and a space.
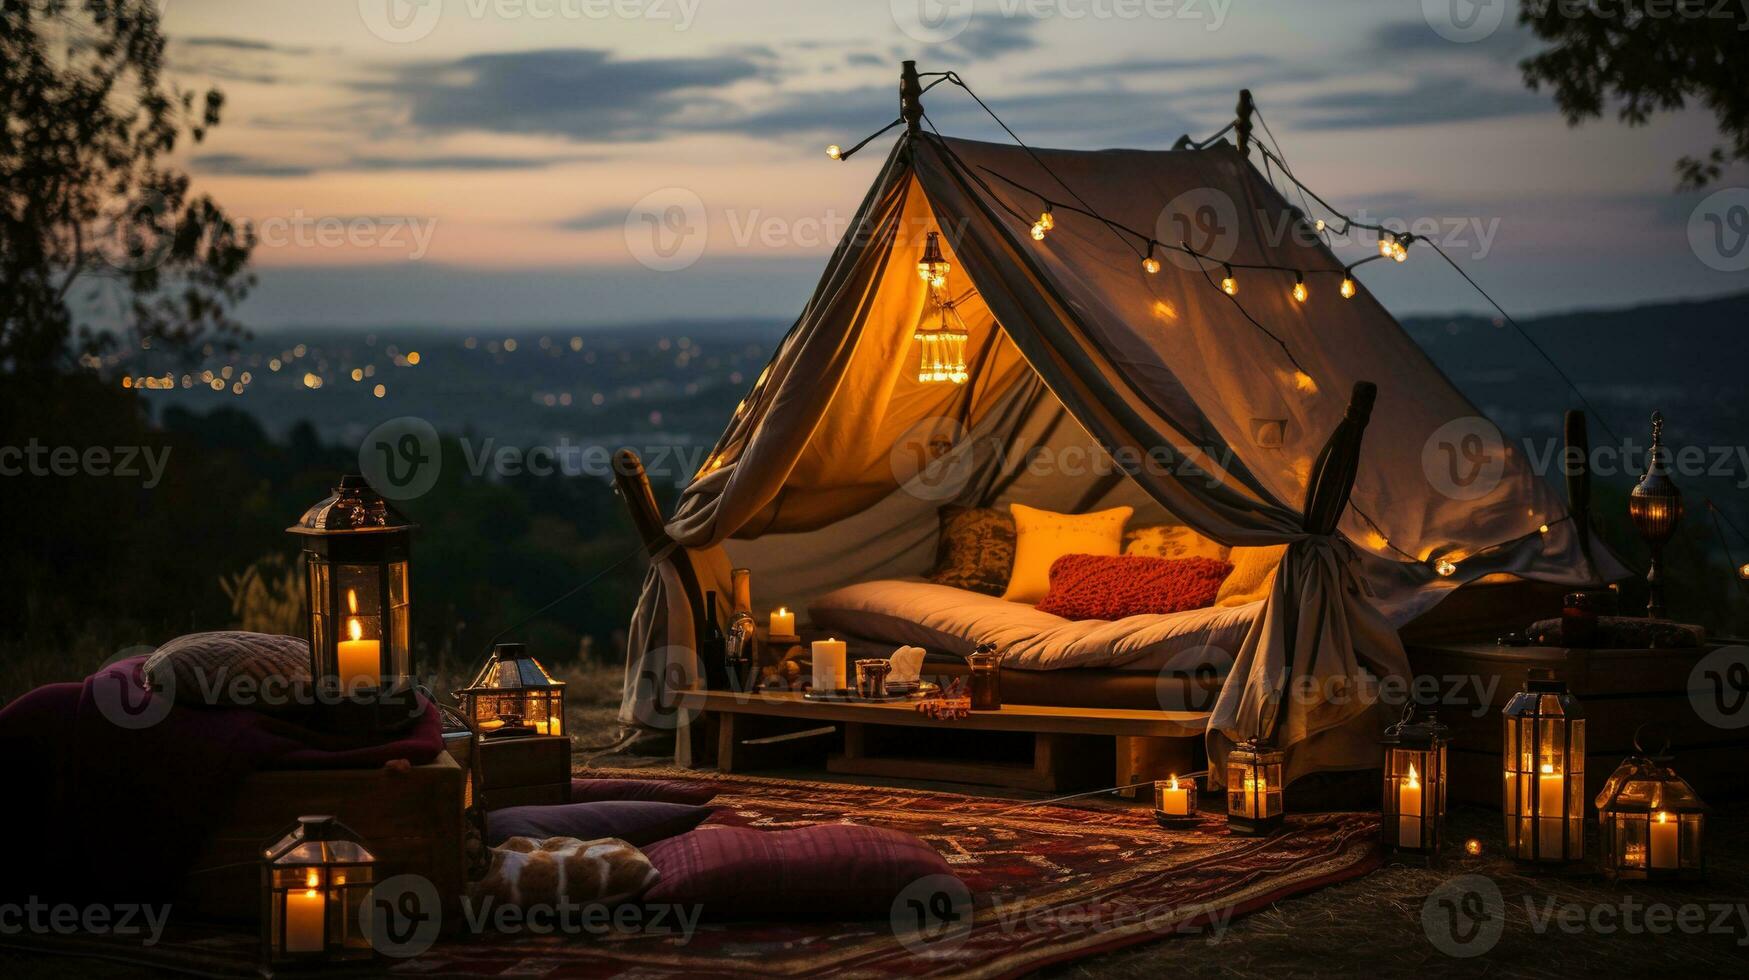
940, 617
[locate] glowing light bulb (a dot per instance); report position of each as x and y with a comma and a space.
1038, 231
1399, 252
1151, 265
1319, 224
1229, 285
1384, 246
835, 152
1472, 847
1743, 571
1299, 289
1348, 289
1045, 220
1445, 567
1543, 529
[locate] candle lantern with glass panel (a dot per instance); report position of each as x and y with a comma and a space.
1254, 805
315, 880
1544, 768
516, 709
1653, 823
1413, 805
357, 558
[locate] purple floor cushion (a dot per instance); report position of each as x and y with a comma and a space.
637, 822
831, 871
664, 790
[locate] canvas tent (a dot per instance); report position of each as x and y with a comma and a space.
1195, 406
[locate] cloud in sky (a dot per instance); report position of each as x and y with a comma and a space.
1427, 100
236, 164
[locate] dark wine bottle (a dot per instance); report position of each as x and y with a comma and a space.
714, 655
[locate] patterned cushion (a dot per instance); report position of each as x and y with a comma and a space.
1042, 536
530, 873
1171, 541
828, 871
976, 550
228, 668
1106, 587
636, 822
595, 789
1253, 571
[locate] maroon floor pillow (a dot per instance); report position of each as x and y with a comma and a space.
660, 790
637, 822
830, 871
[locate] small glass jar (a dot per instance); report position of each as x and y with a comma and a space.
1579, 615
986, 680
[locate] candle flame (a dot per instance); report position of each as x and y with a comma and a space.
312, 880
1663, 817
1548, 769
1414, 778
1174, 781
352, 602
353, 628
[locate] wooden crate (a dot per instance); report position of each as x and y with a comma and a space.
523, 771
411, 820
1618, 691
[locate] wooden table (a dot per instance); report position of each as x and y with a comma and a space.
1047, 748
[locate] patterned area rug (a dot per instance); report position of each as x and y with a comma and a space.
1047, 883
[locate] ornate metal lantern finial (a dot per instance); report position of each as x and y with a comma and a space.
1655, 505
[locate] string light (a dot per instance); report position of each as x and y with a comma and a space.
1150, 265
1299, 287
1445, 567
1045, 220
1038, 232
1385, 239
1743, 571
1542, 529
835, 152
1398, 251
1319, 224
1229, 285
1347, 288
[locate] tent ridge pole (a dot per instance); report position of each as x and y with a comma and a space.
910, 96
1242, 127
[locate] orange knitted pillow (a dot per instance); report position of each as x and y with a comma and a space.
1116, 586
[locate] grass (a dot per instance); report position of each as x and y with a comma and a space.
1555, 924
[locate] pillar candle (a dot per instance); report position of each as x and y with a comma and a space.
304, 912
783, 623
1664, 842
1409, 810
359, 661
831, 659
1551, 807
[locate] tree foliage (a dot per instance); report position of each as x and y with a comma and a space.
91, 213
1643, 57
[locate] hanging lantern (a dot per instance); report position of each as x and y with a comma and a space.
314, 882
1413, 804
1655, 504
357, 553
933, 269
942, 350
514, 695
1545, 772
1254, 788
1653, 823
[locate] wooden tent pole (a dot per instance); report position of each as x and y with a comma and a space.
1242, 127
1577, 470
910, 97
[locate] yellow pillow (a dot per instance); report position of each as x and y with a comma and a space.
1253, 573
1041, 537
1172, 541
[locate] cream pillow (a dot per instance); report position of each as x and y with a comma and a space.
1253, 573
1172, 541
1041, 537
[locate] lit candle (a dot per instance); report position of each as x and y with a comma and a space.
1551, 806
783, 622
831, 660
1256, 787
1409, 810
1664, 841
304, 912
360, 660
1173, 801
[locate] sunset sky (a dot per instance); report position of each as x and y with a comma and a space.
486, 153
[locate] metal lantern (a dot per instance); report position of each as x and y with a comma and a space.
315, 880
514, 695
1413, 804
357, 556
933, 268
1653, 823
1254, 788
1655, 506
1544, 762
942, 348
